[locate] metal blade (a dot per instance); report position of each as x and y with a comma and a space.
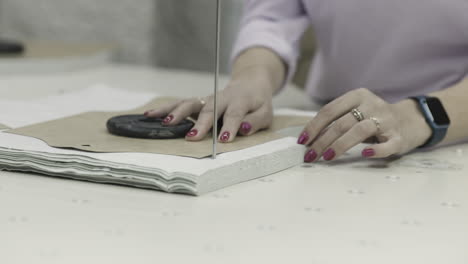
216, 79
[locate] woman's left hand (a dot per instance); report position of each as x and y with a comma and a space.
359, 115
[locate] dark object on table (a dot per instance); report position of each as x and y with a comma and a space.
10, 47
140, 126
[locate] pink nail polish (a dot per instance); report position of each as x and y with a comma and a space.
367, 153
168, 119
303, 138
225, 136
329, 154
245, 127
310, 156
192, 133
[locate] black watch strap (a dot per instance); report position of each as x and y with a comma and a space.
436, 117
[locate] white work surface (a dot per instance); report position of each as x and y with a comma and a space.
411, 210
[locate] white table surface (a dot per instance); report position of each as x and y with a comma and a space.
410, 210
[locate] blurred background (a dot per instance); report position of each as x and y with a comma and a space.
167, 33
164, 33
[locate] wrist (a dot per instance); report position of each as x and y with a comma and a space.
256, 78
261, 65
415, 126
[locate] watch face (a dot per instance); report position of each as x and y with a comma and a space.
437, 111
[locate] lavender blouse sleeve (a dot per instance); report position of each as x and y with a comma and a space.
274, 24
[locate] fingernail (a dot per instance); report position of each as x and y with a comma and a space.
329, 154
367, 153
146, 113
303, 138
168, 119
192, 133
225, 136
310, 156
245, 127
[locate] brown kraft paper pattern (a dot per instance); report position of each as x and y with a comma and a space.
88, 132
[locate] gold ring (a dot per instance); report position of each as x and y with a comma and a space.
357, 114
376, 122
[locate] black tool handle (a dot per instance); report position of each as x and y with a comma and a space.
11, 47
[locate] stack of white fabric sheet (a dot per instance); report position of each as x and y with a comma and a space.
154, 171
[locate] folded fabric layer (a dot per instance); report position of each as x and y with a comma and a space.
154, 171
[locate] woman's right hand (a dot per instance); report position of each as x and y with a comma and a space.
245, 104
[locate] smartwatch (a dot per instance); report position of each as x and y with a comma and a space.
436, 117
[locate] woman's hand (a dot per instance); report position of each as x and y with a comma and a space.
398, 128
246, 104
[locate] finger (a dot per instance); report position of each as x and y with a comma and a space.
328, 136
182, 111
255, 121
205, 120
332, 111
232, 120
383, 150
162, 111
356, 135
